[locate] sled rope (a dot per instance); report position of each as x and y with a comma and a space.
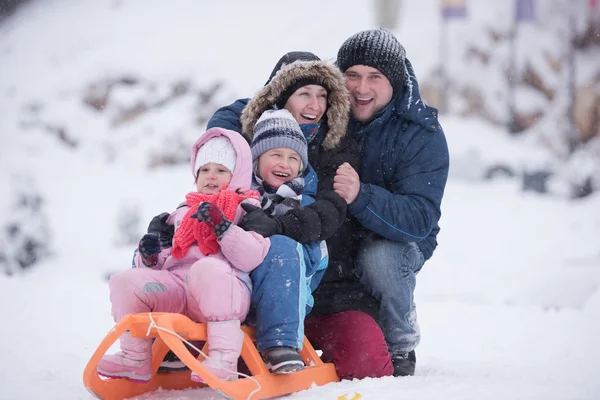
153, 325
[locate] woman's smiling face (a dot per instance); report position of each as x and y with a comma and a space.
308, 104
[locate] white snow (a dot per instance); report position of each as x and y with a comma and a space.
509, 305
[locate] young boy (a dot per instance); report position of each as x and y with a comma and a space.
297, 260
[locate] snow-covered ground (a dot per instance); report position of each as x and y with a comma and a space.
509, 306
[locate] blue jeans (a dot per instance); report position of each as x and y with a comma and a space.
282, 292
388, 270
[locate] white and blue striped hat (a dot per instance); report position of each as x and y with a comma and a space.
276, 129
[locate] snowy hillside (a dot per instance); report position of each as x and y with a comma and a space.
100, 102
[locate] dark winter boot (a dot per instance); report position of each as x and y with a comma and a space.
283, 360
172, 363
404, 363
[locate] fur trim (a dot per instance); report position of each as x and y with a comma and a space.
337, 97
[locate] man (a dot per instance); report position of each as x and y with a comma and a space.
396, 198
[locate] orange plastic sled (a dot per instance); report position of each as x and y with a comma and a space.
316, 372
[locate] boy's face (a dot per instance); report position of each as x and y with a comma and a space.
212, 177
278, 166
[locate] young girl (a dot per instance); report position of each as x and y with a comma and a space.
205, 273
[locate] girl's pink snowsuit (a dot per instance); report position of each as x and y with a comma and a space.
205, 288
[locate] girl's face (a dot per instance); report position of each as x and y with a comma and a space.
278, 166
212, 177
308, 104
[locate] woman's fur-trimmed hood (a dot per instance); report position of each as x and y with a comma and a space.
338, 110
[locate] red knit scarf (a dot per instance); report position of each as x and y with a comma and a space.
191, 230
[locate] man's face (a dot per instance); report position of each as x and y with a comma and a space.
370, 91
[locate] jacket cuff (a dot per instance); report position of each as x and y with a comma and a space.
363, 199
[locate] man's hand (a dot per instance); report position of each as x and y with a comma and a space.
346, 183
258, 221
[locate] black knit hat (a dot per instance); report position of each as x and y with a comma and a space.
289, 58
375, 48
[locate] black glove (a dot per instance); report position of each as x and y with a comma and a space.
316, 221
212, 214
337, 201
165, 231
330, 208
258, 221
149, 248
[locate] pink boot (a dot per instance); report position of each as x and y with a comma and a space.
224, 347
118, 365
133, 363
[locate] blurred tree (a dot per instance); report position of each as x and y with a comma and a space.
25, 235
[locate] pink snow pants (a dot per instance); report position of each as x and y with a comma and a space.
209, 290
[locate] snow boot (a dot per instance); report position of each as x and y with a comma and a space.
404, 363
133, 362
282, 360
225, 340
171, 363
120, 365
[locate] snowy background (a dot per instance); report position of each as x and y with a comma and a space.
100, 102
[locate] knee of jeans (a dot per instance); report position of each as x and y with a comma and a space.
412, 258
385, 255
